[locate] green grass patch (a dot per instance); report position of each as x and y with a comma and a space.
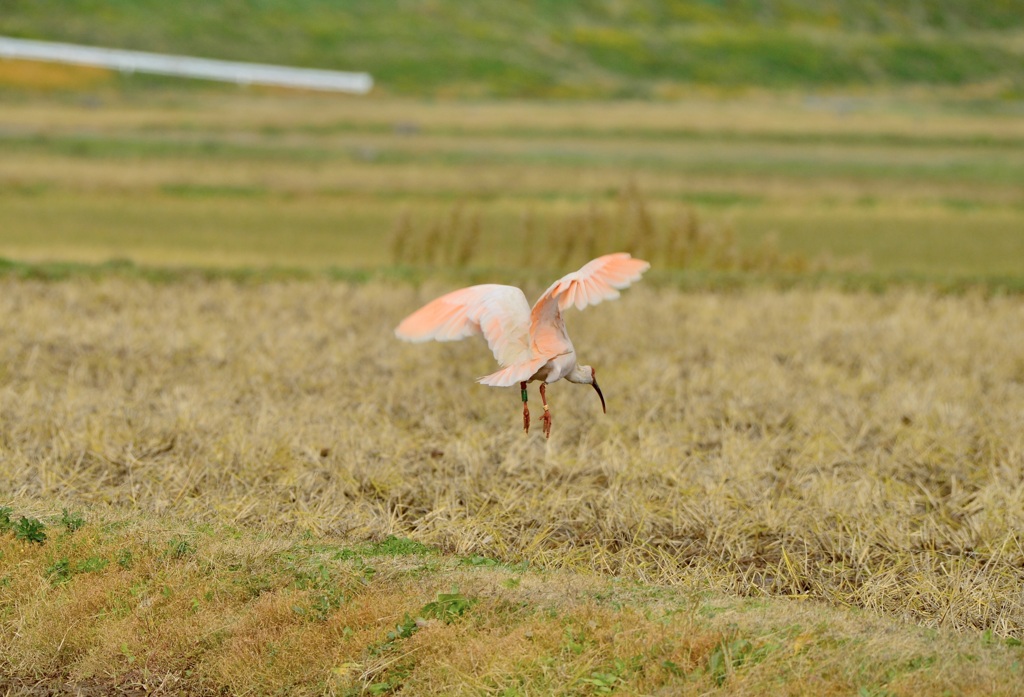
687, 280
599, 49
390, 546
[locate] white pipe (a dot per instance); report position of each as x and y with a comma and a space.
186, 66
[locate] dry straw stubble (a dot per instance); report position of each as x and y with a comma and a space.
860, 449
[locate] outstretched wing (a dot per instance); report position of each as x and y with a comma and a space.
500, 313
598, 280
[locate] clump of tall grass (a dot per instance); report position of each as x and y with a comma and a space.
680, 239
452, 240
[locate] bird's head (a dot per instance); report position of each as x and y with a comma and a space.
586, 375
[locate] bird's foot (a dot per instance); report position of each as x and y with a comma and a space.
547, 422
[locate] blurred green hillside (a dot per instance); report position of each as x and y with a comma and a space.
551, 48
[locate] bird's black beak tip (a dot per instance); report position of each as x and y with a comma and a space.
601, 395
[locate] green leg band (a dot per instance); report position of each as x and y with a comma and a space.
524, 395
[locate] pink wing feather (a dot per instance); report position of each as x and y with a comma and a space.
598, 280
500, 313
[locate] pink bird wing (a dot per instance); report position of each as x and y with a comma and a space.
598, 280
500, 313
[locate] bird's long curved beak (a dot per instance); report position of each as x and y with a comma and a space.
601, 395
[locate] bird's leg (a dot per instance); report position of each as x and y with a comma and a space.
547, 412
526, 409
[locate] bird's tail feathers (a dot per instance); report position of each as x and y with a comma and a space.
513, 374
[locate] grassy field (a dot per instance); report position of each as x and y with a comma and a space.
598, 49
884, 186
146, 606
808, 491
222, 474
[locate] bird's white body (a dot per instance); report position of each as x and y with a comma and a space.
556, 368
530, 344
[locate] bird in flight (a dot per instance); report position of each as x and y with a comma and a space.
529, 344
